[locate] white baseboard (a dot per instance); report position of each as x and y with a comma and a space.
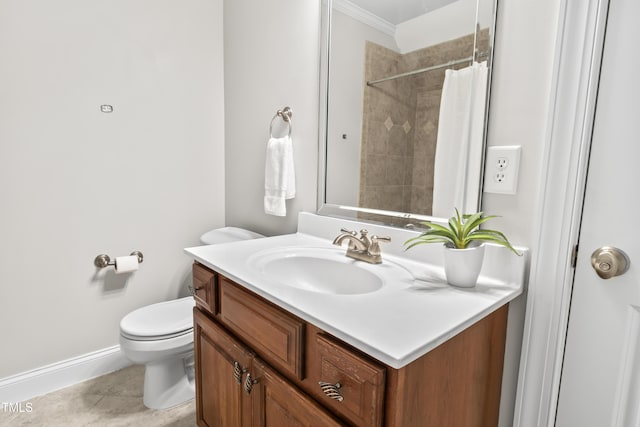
43, 380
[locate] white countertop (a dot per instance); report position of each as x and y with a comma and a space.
409, 316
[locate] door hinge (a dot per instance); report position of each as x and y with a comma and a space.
574, 256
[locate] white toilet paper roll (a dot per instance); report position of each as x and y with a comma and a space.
126, 264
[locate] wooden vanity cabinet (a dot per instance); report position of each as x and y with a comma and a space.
235, 388
282, 359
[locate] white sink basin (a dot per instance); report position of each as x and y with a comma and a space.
323, 270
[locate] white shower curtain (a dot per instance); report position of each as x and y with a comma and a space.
459, 145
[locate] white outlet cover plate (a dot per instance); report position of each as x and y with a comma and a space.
498, 178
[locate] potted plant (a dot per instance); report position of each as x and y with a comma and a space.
464, 245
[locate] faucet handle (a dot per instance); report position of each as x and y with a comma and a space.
374, 249
350, 245
364, 238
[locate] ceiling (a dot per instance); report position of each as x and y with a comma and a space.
398, 11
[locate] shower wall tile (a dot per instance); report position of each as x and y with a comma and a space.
400, 143
394, 166
377, 137
376, 170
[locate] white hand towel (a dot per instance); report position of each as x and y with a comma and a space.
279, 176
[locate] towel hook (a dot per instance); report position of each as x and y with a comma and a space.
285, 114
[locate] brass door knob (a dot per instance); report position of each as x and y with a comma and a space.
609, 262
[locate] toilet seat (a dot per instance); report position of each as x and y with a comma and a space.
143, 351
164, 320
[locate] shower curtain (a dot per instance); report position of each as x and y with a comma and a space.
460, 141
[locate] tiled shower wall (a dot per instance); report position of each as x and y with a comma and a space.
400, 124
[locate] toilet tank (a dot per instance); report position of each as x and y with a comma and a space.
227, 234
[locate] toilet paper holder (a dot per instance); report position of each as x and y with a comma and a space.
104, 260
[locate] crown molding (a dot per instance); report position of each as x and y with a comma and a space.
364, 16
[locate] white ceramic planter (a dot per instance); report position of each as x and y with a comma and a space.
462, 266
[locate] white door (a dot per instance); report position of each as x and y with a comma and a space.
600, 383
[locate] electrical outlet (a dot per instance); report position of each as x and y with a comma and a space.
501, 169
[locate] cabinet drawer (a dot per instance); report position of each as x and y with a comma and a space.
277, 336
362, 382
204, 288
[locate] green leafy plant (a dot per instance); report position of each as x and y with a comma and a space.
461, 231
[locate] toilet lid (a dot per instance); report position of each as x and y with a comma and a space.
159, 320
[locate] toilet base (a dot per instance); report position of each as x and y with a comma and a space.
168, 383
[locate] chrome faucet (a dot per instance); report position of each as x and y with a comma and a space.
363, 248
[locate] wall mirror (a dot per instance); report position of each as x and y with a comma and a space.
405, 87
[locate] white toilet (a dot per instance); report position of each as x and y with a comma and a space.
160, 336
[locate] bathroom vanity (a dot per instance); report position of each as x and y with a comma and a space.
399, 355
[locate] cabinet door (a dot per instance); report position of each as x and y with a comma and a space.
278, 403
220, 365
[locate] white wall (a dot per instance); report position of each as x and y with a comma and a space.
77, 182
271, 61
520, 100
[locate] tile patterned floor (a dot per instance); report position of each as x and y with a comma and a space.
111, 400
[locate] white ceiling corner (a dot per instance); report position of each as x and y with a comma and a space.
387, 13
365, 16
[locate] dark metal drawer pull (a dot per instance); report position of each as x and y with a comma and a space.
249, 383
331, 390
238, 372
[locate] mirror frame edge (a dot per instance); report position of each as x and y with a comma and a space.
382, 216
323, 116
